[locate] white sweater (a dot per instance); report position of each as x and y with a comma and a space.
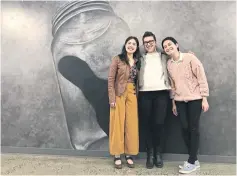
151, 73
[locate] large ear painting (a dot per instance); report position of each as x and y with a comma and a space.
86, 35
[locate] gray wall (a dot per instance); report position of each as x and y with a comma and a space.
32, 110
45, 106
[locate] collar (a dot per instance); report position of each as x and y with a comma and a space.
180, 58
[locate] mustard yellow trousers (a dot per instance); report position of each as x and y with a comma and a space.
123, 127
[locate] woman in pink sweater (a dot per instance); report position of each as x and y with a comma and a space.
189, 93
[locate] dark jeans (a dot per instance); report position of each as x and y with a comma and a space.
189, 114
152, 107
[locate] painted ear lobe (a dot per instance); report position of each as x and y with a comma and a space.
75, 70
93, 88
78, 73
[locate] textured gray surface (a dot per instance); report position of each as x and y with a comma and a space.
52, 165
32, 109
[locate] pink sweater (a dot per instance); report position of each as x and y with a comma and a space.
188, 79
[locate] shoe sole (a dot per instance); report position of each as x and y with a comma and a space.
118, 166
159, 166
130, 165
149, 167
181, 167
187, 172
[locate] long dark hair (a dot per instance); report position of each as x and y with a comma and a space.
136, 55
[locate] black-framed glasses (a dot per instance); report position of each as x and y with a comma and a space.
149, 42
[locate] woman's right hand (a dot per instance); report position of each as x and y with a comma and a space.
174, 108
112, 105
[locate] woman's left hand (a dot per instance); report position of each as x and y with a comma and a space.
205, 105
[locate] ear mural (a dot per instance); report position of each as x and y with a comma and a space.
87, 34
55, 58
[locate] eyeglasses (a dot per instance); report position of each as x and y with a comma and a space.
149, 42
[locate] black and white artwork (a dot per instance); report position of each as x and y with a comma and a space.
55, 60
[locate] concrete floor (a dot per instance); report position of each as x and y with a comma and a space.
19, 164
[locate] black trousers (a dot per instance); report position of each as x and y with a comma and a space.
152, 106
189, 114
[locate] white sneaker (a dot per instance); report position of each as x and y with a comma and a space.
188, 168
197, 164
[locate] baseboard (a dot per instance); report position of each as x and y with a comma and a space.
97, 153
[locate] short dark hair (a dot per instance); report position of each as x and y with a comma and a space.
148, 34
171, 39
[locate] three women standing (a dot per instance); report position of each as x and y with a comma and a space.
189, 93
